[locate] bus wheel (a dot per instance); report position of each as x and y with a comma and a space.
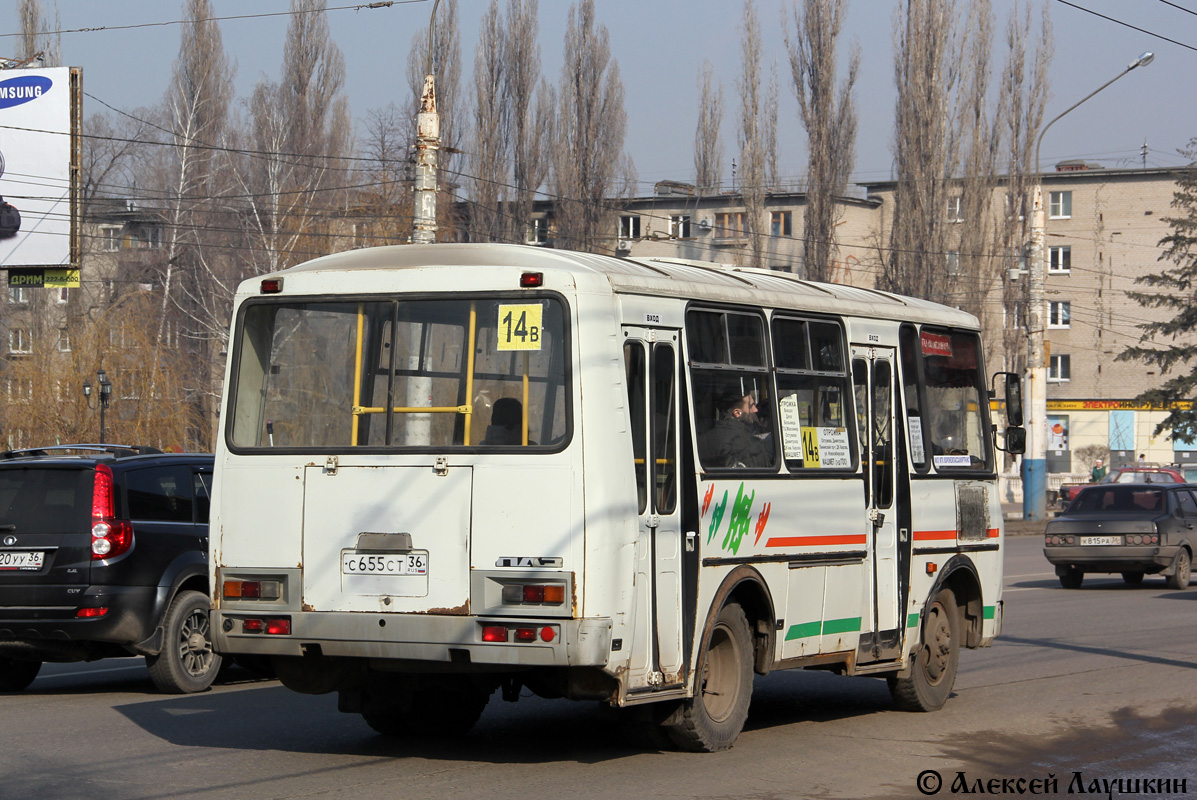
713, 718
933, 672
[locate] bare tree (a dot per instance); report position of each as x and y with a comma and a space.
382, 209
588, 140
772, 173
197, 108
708, 146
752, 134
297, 132
36, 37
927, 64
1023, 91
829, 116
530, 101
488, 155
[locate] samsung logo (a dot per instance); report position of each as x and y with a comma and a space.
15, 91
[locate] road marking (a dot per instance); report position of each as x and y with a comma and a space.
78, 672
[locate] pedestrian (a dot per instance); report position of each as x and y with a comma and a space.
1142, 459
1098, 472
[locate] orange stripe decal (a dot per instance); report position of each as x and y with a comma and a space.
933, 536
808, 541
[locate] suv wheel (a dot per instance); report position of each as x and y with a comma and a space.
187, 662
16, 675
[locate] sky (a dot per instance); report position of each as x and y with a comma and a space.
660, 46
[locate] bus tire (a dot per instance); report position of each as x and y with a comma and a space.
712, 719
16, 675
933, 671
187, 663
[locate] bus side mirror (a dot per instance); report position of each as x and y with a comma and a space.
1016, 440
1014, 400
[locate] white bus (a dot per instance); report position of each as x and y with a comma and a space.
446, 470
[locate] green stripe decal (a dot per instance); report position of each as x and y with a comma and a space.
989, 611
841, 625
912, 621
809, 629
803, 631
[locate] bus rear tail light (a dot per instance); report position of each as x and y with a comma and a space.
531, 280
525, 634
494, 633
253, 590
546, 594
110, 537
277, 626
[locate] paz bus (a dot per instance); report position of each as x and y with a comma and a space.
449, 470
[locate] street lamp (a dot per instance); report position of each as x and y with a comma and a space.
1034, 464
104, 394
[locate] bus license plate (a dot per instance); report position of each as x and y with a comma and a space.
21, 559
384, 563
1092, 540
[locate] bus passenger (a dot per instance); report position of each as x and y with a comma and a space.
506, 422
734, 441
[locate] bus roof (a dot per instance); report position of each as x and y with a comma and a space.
662, 277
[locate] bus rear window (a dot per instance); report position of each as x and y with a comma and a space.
484, 372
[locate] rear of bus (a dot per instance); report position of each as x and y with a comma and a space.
397, 510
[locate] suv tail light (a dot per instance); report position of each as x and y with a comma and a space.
110, 537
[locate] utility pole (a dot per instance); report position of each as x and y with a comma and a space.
428, 143
1034, 464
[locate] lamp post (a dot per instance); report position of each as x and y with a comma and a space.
1034, 465
105, 393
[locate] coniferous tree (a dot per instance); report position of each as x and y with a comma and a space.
1171, 344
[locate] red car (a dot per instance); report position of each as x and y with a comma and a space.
1131, 474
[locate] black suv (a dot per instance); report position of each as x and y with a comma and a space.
104, 552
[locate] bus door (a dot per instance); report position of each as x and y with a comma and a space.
651, 361
874, 386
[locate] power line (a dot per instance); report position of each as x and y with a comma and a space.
167, 23
1128, 25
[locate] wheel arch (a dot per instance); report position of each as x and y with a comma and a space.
961, 576
745, 585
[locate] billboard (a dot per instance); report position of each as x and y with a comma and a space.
36, 149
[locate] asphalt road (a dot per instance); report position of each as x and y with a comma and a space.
1097, 681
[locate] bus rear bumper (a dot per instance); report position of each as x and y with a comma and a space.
418, 637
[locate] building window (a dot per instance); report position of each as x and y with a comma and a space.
110, 239
1061, 205
1059, 369
956, 209
361, 233
679, 226
1016, 205
64, 341
629, 227
783, 223
1059, 259
147, 238
538, 231
731, 225
1059, 314
64, 295
20, 390
18, 294
20, 340
1013, 316
130, 383
953, 263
